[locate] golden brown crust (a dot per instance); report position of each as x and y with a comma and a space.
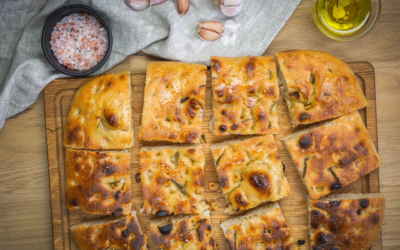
333, 154
186, 233
98, 182
124, 233
172, 180
245, 92
250, 172
173, 102
318, 86
345, 224
100, 116
264, 228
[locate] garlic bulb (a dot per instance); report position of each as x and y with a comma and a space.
229, 7
137, 4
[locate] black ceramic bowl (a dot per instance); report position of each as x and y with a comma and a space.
49, 27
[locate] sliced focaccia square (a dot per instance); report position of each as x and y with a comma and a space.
100, 116
172, 180
345, 221
333, 154
108, 233
263, 228
184, 232
98, 182
245, 92
317, 86
173, 102
250, 172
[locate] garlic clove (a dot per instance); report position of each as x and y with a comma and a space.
154, 2
183, 6
209, 35
137, 4
214, 26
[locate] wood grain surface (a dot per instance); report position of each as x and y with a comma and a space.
58, 96
25, 221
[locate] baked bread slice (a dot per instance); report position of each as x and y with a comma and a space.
185, 232
333, 154
245, 92
173, 102
250, 172
98, 182
172, 180
345, 221
122, 233
100, 116
262, 228
317, 86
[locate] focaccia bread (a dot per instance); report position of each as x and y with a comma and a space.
245, 92
317, 86
173, 102
263, 228
345, 221
98, 182
172, 180
100, 116
250, 172
333, 154
108, 234
185, 232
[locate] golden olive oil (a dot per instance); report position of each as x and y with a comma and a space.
344, 17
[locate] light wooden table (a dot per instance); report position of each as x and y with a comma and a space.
25, 219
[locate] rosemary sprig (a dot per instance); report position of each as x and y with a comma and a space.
217, 162
180, 188
113, 184
53, 130
102, 122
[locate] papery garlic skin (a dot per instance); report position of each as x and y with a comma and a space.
230, 7
137, 4
230, 34
154, 2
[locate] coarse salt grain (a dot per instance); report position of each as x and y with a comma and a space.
79, 41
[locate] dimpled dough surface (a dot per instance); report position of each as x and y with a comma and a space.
250, 172
100, 116
245, 91
173, 102
172, 180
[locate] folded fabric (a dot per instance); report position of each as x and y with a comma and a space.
159, 30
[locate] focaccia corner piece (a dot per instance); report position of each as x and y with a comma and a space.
100, 116
245, 92
122, 233
317, 86
345, 221
174, 99
263, 228
333, 154
183, 232
250, 172
172, 180
98, 182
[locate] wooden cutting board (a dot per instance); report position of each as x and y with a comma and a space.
58, 95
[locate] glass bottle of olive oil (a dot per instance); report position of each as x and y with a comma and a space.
344, 17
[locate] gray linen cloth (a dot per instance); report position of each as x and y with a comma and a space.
158, 30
